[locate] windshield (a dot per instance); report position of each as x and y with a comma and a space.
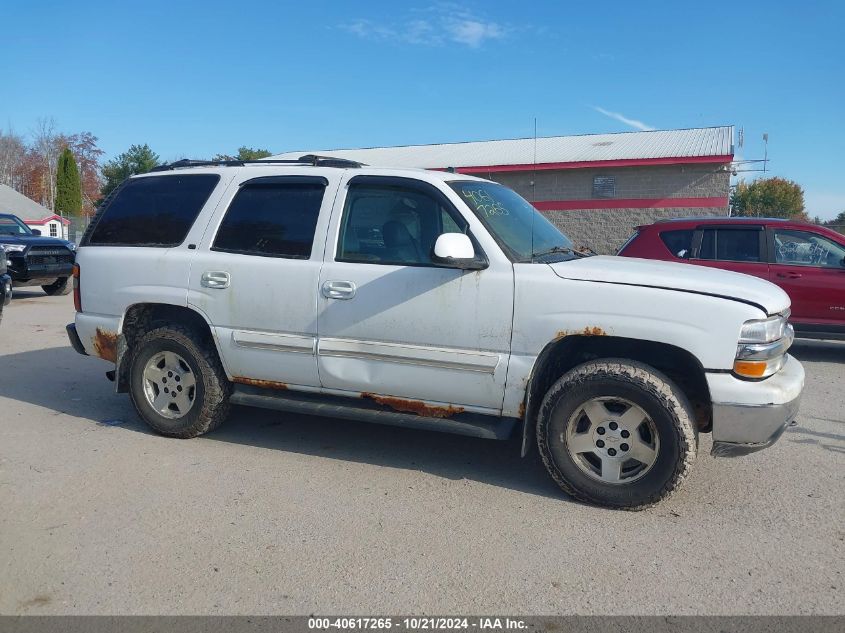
10, 225
517, 226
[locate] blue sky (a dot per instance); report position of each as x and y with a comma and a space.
196, 78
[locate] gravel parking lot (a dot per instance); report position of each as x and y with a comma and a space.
283, 514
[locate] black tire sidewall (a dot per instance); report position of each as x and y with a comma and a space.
166, 426
556, 413
59, 287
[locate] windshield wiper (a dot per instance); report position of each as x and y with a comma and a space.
560, 249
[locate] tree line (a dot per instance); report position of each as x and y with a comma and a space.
63, 172
776, 198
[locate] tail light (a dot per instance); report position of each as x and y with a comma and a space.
77, 299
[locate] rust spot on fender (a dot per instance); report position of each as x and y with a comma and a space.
265, 384
521, 412
587, 331
593, 331
105, 344
414, 406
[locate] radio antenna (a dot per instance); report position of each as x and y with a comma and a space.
534, 189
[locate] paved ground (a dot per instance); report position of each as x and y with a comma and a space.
281, 514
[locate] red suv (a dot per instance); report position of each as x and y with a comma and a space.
806, 260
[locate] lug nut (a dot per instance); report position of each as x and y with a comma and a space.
613, 426
600, 430
170, 374
611, 451
600, 444
625, 434
166, 390
624, 447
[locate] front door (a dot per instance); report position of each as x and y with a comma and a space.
395, 326
255, 277
811, 269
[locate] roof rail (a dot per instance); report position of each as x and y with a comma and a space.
308, 159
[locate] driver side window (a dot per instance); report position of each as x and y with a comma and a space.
392, 225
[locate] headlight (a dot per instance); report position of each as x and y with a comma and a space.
764, 330
762, 347
13, 248
71, 246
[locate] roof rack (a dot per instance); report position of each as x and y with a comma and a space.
308, 159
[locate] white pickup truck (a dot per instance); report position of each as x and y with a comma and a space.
427, 299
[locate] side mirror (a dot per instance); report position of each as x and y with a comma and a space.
455, 250
36, 231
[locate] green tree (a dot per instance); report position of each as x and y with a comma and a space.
245, 153
769, 197
138, 159
68, 185
837, 223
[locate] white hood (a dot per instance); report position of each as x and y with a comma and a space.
676, 276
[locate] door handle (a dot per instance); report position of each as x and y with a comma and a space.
339, 289
789, 275
217, 279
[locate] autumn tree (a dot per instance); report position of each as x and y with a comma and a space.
47, 145
769, 197
12, 159
245, 153
68, 185
138, 159
87, 155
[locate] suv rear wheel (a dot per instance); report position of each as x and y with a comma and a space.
59, 287
617, 433
177, 383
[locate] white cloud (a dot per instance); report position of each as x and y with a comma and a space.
634, 123
471, 32
440, 23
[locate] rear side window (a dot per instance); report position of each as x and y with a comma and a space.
272, 220
679, 243
153, 211
731, 245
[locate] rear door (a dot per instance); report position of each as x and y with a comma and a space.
255, 276
739, 247
811, 269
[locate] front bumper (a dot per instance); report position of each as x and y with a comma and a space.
750, 416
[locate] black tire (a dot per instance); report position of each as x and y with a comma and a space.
667, 407
212, 390
61, 286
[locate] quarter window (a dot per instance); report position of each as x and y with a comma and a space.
679, 243
801, 248
153, 211
732, 245
385, 224
272, 220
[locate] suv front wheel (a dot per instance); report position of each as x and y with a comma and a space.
616, 433
177, 383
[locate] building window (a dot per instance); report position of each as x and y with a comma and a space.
53, 230
604, 186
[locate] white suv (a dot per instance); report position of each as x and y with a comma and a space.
427, 299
